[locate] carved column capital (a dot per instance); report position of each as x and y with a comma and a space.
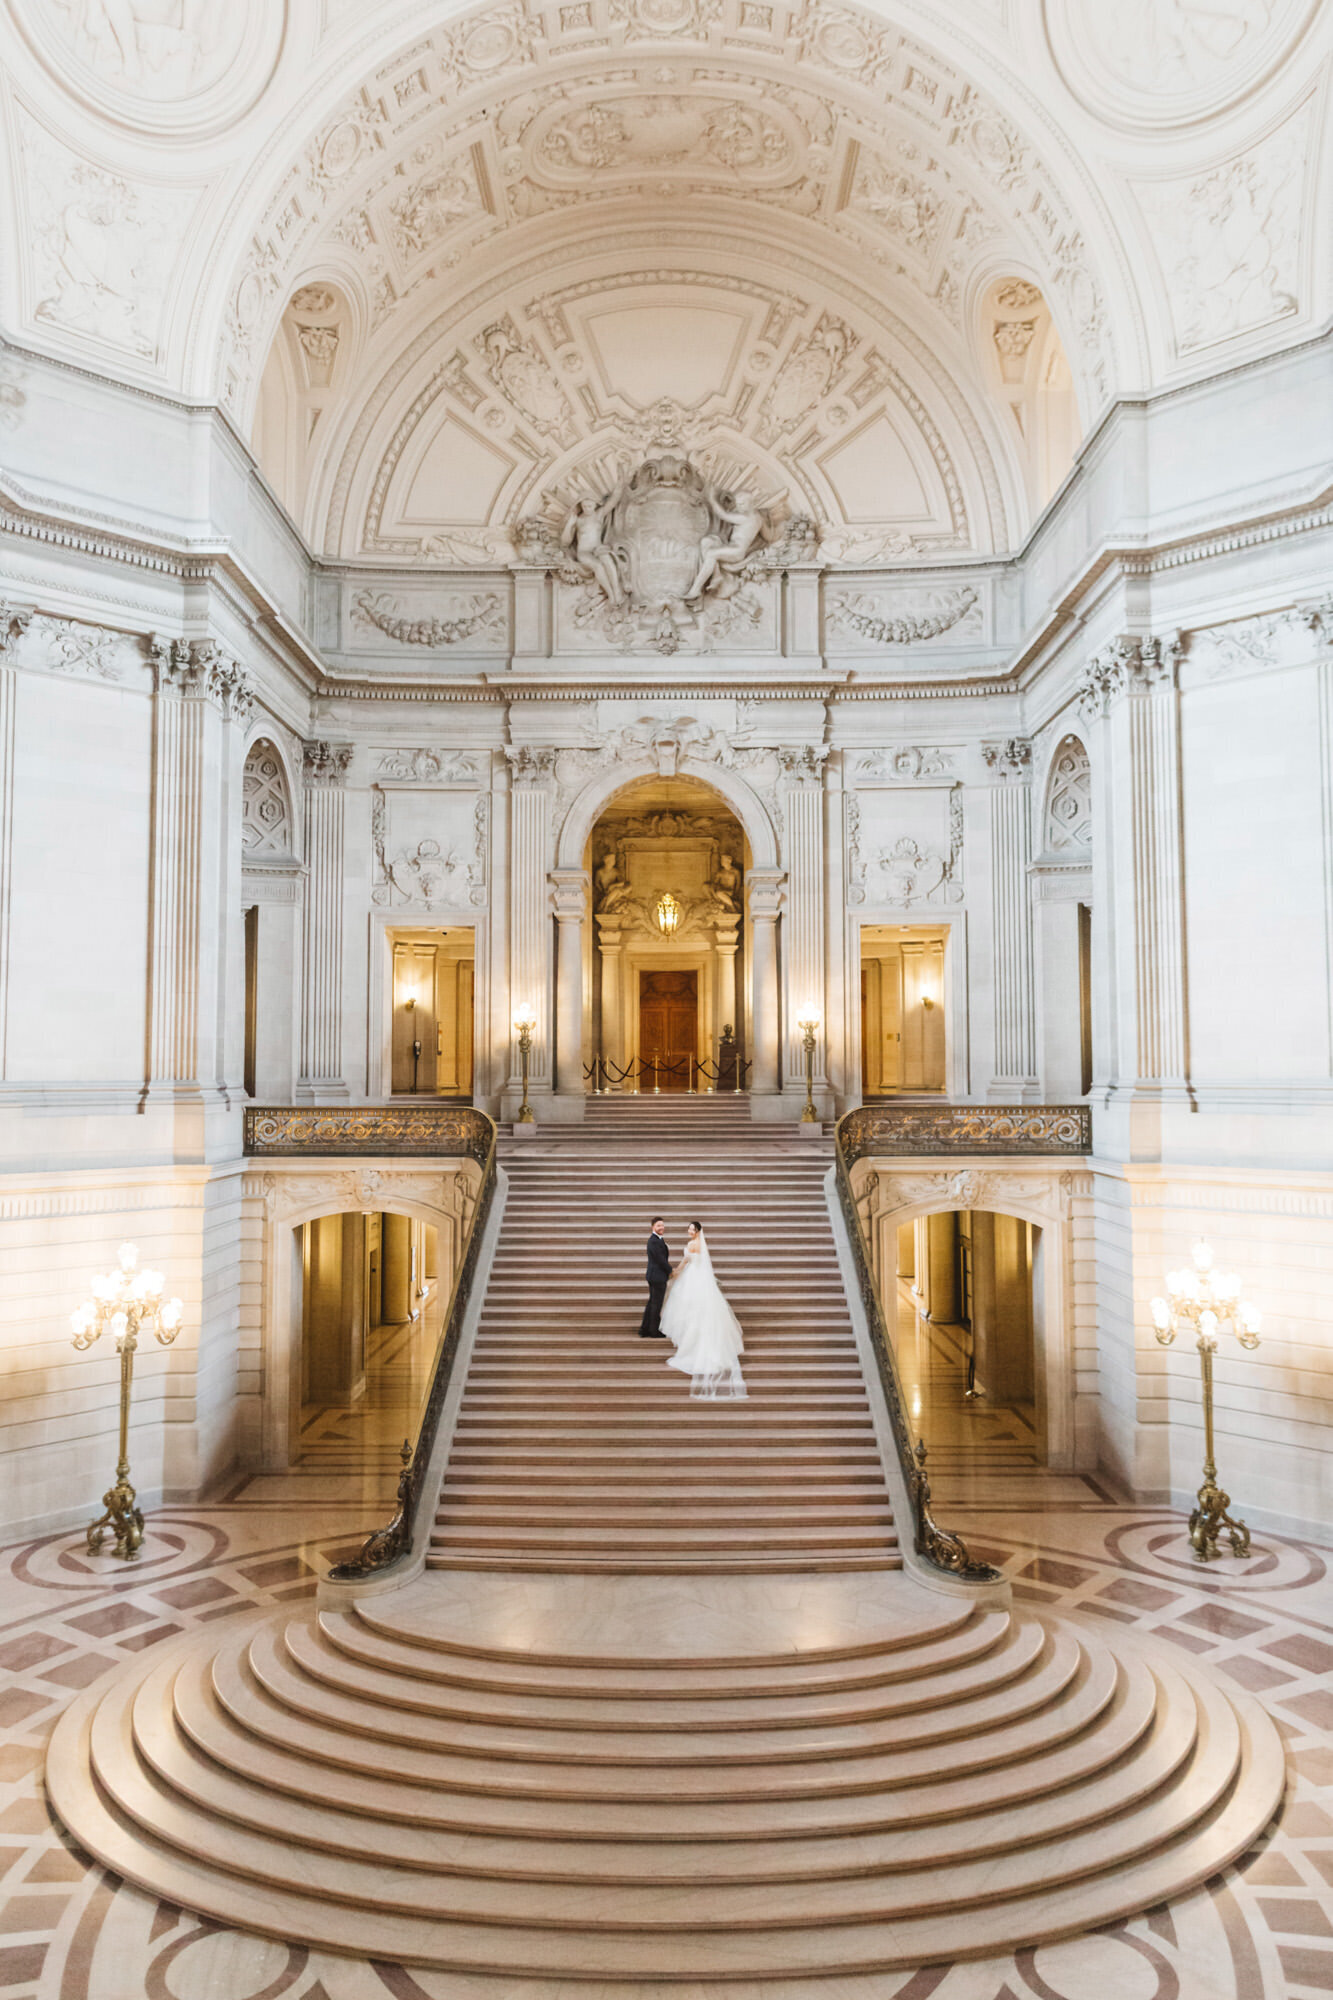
325, 763
1010, 761
529, 766
14, 622
1130, 665
803, 766
199, 670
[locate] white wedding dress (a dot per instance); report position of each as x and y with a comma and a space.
705, 1331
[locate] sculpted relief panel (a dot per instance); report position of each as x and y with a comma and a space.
1228, 240
159, 62
104, 248
1165, 61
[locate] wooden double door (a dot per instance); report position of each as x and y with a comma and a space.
668, 1029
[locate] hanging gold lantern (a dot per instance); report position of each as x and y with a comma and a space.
668, 914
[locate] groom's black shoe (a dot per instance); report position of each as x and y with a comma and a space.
650, 1336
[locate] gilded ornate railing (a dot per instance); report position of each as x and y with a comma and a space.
935, 1545
451, 1131
415, 1129
965, 1128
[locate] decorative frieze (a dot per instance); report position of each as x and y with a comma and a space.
1050, 1192
476, 615
1254, 645
428, 767
904, 617
909, 764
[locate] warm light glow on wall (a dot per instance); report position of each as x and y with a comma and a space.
668, 914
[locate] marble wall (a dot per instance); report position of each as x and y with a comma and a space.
1143, 732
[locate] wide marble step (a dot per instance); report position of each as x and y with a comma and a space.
676, 1803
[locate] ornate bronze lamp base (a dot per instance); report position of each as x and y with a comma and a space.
1211, 1518
123, 1516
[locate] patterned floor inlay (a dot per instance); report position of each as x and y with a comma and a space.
1262, 1931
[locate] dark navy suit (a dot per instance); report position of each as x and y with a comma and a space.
658, 1274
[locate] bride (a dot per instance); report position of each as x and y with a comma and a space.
706, 1332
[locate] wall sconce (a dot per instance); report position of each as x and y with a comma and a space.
808, 1023
927, 1001
668, 914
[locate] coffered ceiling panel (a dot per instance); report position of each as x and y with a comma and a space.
685, 352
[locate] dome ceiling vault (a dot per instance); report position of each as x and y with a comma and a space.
753, 232
464, 263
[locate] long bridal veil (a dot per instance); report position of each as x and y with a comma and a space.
706, 1332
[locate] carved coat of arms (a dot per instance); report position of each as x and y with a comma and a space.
665, 537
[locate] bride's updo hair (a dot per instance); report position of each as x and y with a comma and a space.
698, 1228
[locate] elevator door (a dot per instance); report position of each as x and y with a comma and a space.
668, 1029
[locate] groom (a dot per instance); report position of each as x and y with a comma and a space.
658, 1274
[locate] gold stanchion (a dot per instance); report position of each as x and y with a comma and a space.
524, 1023
808, 1023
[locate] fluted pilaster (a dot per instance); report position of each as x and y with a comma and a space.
200, 692
569, 901
324, 769
803, 925
13, 624
530, 909
1130, 688
1014, 1058
764, 886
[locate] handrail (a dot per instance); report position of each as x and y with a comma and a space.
892, 1130
936, 1546
393, 1542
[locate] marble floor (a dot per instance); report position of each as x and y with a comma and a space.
350, 1451
1262, 1930
983, 1453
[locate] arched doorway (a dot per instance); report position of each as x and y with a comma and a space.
368, 1295
667, 959
964, 1300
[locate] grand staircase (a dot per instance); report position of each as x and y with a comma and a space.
577, 1448
665, 1712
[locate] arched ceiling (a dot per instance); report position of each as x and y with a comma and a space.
495, 249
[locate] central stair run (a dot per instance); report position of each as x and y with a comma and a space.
577, 1448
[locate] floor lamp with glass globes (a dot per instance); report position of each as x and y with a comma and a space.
126, 1302
1208, 1303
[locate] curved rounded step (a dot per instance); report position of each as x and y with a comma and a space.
906, 1778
